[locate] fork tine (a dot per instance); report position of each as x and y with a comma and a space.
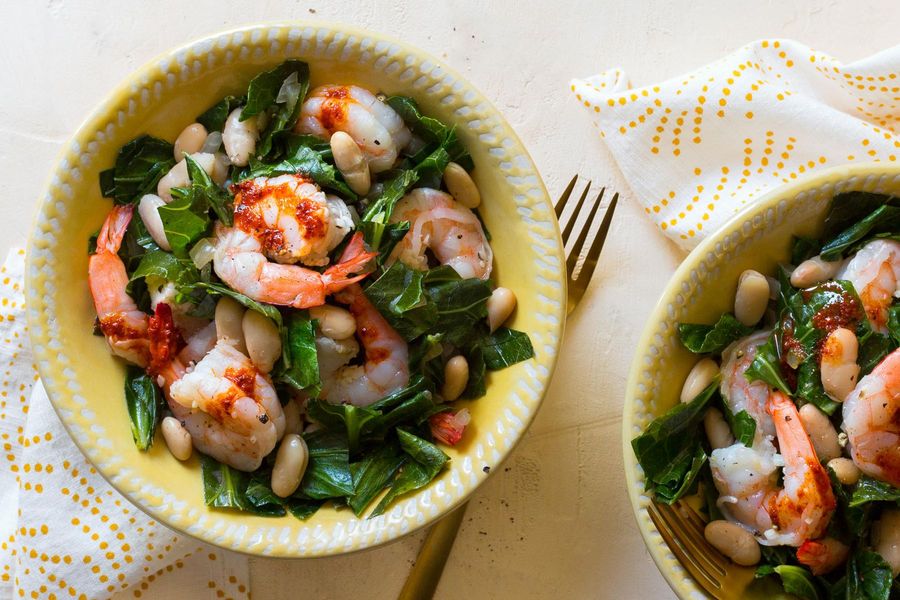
561, 203
700, 576
572, 259
573, 216
593, 255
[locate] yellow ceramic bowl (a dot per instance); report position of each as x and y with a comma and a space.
84, 381
701, 290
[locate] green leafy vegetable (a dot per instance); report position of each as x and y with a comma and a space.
205, 193
430, 129
304, 160
294, 85
883, 219
869, 577
373, 474
299, 366
140, 165
214, 117
427, 461
803, 249
354, 419
809, 387
506, 347
167, 266
182, 224
145, 406
225, 487
264, 88
246, 301
795, 580
705, 339
766, 367
742, 425
669, 450
873, 490
328, 471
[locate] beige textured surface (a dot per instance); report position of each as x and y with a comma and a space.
557, 522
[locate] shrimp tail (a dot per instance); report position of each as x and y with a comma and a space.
113, 231
353, 260
822, 556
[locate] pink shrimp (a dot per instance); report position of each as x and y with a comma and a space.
386, 368
872, 421
822, 556
875, 273
240, 262
123, 324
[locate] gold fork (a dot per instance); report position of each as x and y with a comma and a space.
682, 530
426, 572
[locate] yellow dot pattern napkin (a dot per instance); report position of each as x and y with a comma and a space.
697, 148
64, 531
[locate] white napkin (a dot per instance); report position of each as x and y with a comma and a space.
697, 148
64, 531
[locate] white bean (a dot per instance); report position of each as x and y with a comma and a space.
699, 378
148, 208
838, 367
813, 271
733, 541
263, 340
190, 140
290, 465
500, 306
751, 298
886, 538
293, 422
821, 432
177, 438
717, 430
334, 322
456, 377
845, 469
461, 186
230, 323
239, 137
351, 162
178, 176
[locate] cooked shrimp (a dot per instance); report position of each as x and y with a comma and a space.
872, 421
291, 217
875, 273
451, 231
234, 413
239, 261
123, 324
741, 394
376, 127
386, 368
822, 556
747, 479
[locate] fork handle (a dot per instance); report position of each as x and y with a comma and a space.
426, 573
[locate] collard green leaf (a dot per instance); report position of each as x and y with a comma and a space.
803, 249
214, 117
264, 88
373, 474
476, 387
225, 487
869, 577
505, 347
894, 323
882, 220
306, 161
432, 130
795, 580
354, 420
182, 225
299, 366
411, 411
293, 87
873, 347
206, 193
301, 508
809, 387
766, 367
145, 405
706, 339
328, 471
667, 450
399, 295
427, 461
817, 310
246, 301
849, 522
139, 166
873, 490
167, 266
742, 425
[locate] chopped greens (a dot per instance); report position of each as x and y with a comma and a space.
705, 339
364, 457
